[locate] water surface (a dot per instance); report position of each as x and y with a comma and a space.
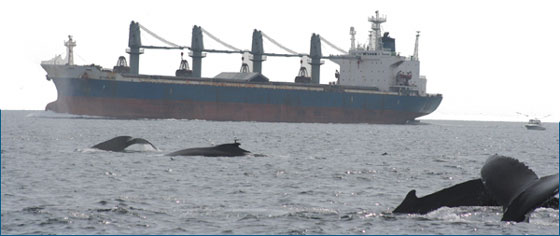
313, 179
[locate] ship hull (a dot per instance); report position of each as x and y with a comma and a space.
534, 127
234, 101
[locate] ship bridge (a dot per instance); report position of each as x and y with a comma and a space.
377, 64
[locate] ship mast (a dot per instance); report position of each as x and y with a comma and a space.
352, 38
376, 31
415, 56
70, 44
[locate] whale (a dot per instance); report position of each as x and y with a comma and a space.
120, 143
222, 150
504, 182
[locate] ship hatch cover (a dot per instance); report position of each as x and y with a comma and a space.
240, 76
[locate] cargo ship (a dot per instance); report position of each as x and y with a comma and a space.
374, 84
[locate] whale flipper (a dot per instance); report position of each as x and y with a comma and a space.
119, 143
469, 193
517, 188
222, 150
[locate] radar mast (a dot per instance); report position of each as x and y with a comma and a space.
376, 21
352, 38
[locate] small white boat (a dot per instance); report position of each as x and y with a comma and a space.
534, 124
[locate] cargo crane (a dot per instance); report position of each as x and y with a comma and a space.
197, 50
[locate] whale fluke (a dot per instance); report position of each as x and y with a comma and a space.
541, 191
505, 182
225, 150
516, 187
505, 178
119, 143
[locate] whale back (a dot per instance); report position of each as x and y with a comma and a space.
225, 150
231, 149
469, 193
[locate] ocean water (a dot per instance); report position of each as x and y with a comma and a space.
309, 178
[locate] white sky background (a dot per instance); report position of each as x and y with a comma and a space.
489, 59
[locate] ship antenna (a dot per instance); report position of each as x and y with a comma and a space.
352, 38
70, 44
415, 56
376, 22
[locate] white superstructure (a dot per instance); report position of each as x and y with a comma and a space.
378, 65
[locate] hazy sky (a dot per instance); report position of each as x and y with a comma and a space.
489, 59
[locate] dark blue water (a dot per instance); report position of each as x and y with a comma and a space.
314, 179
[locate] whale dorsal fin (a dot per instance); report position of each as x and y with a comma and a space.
408, 205
505, 178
